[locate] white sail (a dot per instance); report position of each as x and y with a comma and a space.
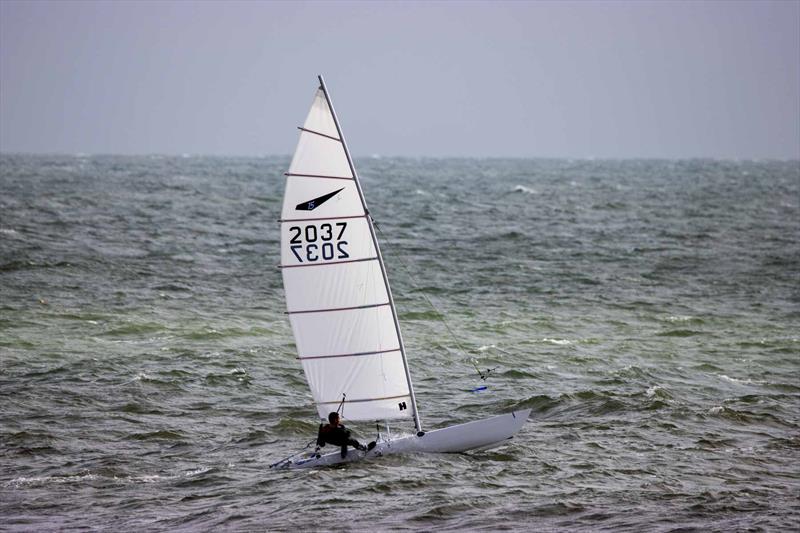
341, 309
338, 299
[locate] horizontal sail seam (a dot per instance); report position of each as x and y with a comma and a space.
336, 309
321, 218
358, 354
329, 263
348, 400
301, 128
291, 175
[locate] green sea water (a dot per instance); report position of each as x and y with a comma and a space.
647, 311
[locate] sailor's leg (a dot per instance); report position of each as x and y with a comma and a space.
357, 445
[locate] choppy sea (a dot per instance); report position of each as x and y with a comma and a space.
647, 311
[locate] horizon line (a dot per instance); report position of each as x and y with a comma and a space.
188, 155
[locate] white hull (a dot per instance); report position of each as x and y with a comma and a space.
478, 435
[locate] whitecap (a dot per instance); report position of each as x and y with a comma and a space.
740, 381
557, 341
197, 472
680, 318
45, 480
524, 189
143, 479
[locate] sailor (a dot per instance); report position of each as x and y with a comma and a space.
338, 435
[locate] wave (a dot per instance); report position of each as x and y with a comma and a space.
160, 435
213, 333
420, 315
88, 477
294, 426
680, 333
134, 329
514, 374
25, 264
559, 342
745, 417
139, 409
238, 375
741, 381
540, 403
684, 319
51, 480
658, 392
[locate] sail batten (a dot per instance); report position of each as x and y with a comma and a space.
362, 354
320, 218
336, 309
337, 139
361, 400
330, 264
342, 316
290, 175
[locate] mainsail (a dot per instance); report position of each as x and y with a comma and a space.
337, 293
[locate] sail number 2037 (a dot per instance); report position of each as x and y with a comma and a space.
313, 243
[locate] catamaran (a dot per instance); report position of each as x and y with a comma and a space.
341, 309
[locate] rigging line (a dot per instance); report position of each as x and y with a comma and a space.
294, 454
341, 405
478, 370
416, 285
482, 375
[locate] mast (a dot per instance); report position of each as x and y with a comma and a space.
415, 412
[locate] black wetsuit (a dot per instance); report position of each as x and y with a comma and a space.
338, 436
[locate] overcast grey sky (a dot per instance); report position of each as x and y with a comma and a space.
570, 79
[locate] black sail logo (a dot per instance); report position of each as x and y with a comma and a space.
316, 202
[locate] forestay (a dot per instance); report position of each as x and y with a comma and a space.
337, 295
